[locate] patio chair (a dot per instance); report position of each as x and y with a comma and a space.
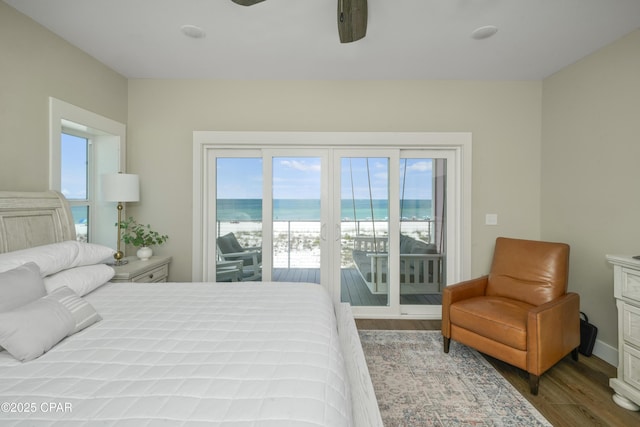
229, 271
521, 312
229, 249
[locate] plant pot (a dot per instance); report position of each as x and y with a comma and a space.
144, 253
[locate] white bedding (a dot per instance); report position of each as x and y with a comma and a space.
189, 354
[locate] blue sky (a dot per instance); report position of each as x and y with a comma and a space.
74, 167
299, 178
293, 177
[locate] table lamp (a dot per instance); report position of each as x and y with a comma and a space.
120, 187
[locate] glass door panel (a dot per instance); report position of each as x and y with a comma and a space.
422, 218
296, 218
371, 198
364, 231
238, 219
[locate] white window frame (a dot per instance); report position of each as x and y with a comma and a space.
107, 139
459, 143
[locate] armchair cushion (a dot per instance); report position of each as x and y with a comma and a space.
530, 271
499, 319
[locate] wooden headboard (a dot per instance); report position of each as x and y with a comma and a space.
30, 219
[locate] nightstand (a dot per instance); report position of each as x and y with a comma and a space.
626, 290
156, 269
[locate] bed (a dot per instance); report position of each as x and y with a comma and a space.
238, 354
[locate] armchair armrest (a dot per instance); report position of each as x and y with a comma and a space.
458, 292
464, 290
553, 330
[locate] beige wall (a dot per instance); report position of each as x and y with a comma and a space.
504, 118
555, 159
591, 170
34, 65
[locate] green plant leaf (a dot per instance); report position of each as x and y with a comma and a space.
136, 234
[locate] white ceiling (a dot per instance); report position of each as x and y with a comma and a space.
298, 39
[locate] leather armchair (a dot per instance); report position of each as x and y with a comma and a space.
521, 312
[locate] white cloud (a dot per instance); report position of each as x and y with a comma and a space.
423, 166
301, 165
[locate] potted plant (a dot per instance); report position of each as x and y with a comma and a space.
141, 236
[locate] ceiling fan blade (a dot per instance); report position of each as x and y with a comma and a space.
352, 20
247, 2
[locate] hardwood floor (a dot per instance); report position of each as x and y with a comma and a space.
571, 393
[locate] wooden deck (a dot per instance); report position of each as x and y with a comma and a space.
310, 275
354, 290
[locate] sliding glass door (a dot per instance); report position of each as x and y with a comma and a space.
390, 233
422, 223
393, 230
364, 230
296, 217
371, 224
269, 199
238, 217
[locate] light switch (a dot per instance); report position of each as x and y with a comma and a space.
491, 219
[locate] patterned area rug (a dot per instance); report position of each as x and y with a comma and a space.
417, 384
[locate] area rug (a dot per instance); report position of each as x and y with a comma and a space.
417, 384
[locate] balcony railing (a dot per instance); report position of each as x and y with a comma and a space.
296, 244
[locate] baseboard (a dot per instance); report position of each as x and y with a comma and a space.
606, 352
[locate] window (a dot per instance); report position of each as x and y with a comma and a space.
400, 200
83, 147
74, 180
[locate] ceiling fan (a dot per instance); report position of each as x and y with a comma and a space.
352, 18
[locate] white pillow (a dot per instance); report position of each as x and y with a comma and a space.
56, 257
92, 253
30, 331
20, 286
81, 280
82, 313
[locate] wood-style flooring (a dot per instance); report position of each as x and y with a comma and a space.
353, 289
571, 393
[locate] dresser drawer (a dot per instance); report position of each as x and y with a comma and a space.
632, 366
156, 275
155, 269
630, 286
631, 324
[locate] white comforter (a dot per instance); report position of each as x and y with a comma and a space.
189, 354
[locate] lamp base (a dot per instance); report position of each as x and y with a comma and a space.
119, 258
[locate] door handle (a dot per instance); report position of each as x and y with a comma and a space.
323, 232
337, 236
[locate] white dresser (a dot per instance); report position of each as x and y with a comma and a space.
626, 289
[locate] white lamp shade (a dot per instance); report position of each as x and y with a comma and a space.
120, 187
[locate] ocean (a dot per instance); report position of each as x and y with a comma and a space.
301, 210
309, 209
79, 214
